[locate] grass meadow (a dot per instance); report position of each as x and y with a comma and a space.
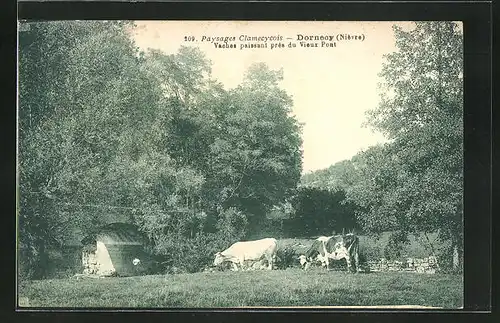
290, 287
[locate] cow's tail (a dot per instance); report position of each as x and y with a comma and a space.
274, 252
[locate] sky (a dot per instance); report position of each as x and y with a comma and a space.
332, 87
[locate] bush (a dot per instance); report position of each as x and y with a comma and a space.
268, 228
176, 251
362, 258
204, 248
445, 260
286, 257
232, 224
179, 254
32, 264
370, 248
396, 245
25, 268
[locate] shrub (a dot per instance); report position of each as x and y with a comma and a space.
204, 248
232, 224
25, 267
188, 254
286, 257
396, 245
32, 264
445, 260
268, 228
362, 258
176, 251
370, 248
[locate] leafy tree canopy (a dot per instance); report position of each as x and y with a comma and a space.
108, 132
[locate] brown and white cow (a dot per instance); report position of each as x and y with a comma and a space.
337, 247
244, 251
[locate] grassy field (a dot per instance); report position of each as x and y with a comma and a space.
291, 287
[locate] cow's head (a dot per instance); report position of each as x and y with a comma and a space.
302, 260
219, 259
349, 240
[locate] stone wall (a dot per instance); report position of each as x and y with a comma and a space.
426, 265
90, 264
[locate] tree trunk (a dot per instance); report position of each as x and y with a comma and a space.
433, 251
457, 257
457, 243
42, 262
456, 260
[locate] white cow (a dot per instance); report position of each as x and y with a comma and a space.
242, 251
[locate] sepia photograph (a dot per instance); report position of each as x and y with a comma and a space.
240, 164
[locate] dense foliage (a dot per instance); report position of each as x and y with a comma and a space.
110, 133
413, 184
320, 212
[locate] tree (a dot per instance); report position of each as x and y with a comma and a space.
80, 104
338, 176
321, 212
256, 154
421, 114
243, 141
109, 133
414, 182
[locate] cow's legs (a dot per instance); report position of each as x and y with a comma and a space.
356, 262
327, 263
349, 264
348, 261
241, 262
234, 266
270, 262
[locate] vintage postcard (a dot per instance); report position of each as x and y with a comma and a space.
240, 164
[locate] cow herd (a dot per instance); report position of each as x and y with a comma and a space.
262, 253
